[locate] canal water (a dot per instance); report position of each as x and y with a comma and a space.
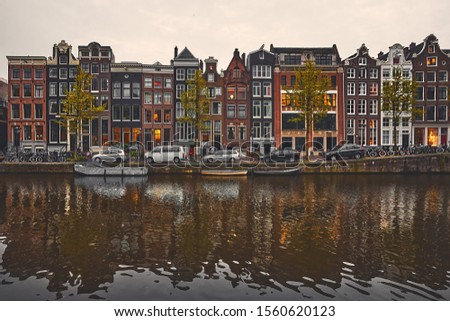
170, 237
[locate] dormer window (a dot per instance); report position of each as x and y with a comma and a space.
362, 61
63, 59
261, 55
431, 49
210, 77
236, 73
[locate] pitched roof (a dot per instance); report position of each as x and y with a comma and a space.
185, 54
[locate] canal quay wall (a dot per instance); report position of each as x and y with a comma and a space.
434, 163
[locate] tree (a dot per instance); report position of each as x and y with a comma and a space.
79, 106
307, 96
398, 99
195, 102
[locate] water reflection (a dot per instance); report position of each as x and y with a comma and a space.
189, 237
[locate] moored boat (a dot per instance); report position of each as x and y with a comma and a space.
277, 171
223, 172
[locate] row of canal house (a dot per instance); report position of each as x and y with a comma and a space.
248, 101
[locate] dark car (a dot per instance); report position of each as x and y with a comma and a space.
345, 151
283, 155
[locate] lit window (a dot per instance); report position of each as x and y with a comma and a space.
432, 61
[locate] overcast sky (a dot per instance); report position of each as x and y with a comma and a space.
147, 31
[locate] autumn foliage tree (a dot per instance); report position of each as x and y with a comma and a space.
398, 99
79, 106
307, 96
195, 102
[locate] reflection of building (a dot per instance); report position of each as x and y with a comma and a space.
96, 59
328, 129
362, 98
3, 114
431, 67
389, 62
27, 102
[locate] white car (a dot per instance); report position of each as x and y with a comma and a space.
223, 155
109, 155
166, 154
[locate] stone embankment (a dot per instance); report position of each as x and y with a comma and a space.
431, 163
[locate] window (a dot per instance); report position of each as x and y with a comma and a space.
351, 88
53, 107
362, 73
116, 90
27, 73
231, 132
362, 107
180, 74
167, 98
420, 113
362, 61
157, 116
136, 112
39, 132
405, 122
373, 107
27, 111
126, 112
94, 68
126, 86
190, 74
267, 130
27, 90
212, 92
85, 67
210, 77
262, 72
442, 93
350, 107
256, 109
136, 90
242, 133
373, 73
242, 114
242, 93
148, 82
63, 59
432, 61
38, 111
431, 113
94, 85
218, 91
431, 93
157, 98
405, 73
373, 88
231, 111
167, 116
116, 113
167, 82
105, 83
63, 88
15, 111
419, 93
267, 89
105, 67
257, 130
179, 110
27, 132
15, 90
148, 97
386, 121
443, 76
38, 91
72, 72
216, 108
385, 137
148, 116
157, 82
256, 89
386, 73
267, 109
373, 125
179, 90
283, 80
63, 73
323, 59
16, 73
419, 76
231, 93
431, 49
53, 73
362, 88
350, 126
431, 76
293, 80
442, 113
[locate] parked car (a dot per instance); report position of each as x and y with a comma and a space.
283, 155
160, 154
109, 155
223, 155
345, 151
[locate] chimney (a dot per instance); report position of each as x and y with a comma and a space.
236, 52
243, 57
175, 52
201, 65
412, 45
380, 54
